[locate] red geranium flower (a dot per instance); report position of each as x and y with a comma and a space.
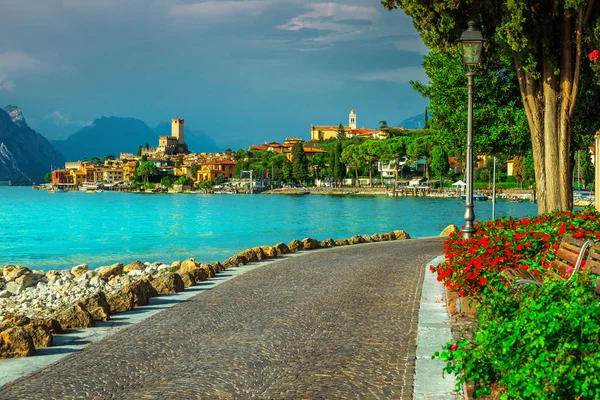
594, 55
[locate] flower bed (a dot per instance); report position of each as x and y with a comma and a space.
527, 243
531, 343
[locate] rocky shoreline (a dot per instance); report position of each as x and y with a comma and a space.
36, 305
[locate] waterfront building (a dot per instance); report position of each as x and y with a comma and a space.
61, 176
112, 175
210, 170
72, 164
129, 170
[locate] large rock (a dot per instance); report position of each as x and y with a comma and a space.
217, 266
105, 273
16, 342
356, 239
39, 331
387, 236
295, 245
249, 254
341, 242
121, 300
13, 272
79, 270
260, 254
310, 244
200, 272
449, 230
167, 283
375, 237
134, 266
281, 249
327, 243
270, 252
19, 284
187, 278
401, 235
237, 260
367, 238
74, 316
53, 325
97, 306
210, 270
134, 294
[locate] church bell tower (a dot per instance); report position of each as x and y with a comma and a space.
352, 120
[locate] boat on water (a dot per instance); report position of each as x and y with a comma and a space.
476, 197
99, 190
90, 191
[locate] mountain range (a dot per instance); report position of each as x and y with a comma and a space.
114, 135
416, 122
25, 155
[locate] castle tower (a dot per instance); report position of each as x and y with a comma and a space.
352, 122
177, 130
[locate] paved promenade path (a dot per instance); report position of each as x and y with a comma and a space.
339, 323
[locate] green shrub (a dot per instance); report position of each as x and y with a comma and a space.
539, 343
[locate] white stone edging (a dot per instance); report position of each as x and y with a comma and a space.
433, 332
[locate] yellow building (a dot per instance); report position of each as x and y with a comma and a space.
129, 170
324, 132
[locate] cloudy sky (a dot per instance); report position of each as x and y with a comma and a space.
245, 71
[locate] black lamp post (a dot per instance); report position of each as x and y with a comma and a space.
471, 44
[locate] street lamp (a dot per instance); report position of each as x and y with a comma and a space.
471, 44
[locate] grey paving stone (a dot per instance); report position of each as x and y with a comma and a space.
340, 323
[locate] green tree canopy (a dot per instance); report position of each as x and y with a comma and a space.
439, 163
341, 132
299, 163
146, 169
545, 43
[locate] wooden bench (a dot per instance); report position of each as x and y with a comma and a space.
569, 259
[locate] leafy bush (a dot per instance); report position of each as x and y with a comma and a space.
539, 343
527, 243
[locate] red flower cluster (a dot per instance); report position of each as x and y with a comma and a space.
528, 243
594, 55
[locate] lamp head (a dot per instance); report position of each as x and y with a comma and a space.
471, 42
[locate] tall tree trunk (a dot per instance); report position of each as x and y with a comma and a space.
550, 106
370, 175
356, 170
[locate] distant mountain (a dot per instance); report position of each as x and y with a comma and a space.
25, 155
198, 141
416, 122
114, 135
107, 135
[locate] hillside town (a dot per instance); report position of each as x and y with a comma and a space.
181, 169
335, 157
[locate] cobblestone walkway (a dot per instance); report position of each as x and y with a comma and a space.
339, 323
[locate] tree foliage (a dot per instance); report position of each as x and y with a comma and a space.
299, 163
341, 132
146, 169
545, 44
439, 163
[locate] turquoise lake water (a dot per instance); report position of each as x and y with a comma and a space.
47, 231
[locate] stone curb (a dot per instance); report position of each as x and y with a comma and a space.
433, 332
